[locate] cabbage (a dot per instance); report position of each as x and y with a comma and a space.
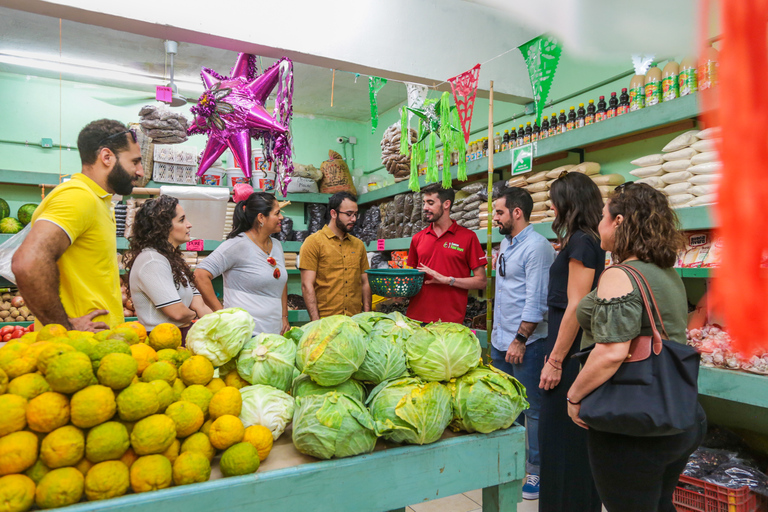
411, 411
366, 319
268, 359
228, 367
267, 406
331, 350
384, 359
294, 334
332, 425
304, 386
442, 351
486, 399
220, 335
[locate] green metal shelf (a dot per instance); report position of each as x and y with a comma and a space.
633, 123
736, 386
307, 197
33, 178
699, 273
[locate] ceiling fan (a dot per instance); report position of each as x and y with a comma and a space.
177, 100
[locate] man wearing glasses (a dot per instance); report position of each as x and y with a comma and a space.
333, 264
66, 268
519, 313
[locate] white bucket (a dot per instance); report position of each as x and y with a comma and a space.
214, 176
264, 181
235, 176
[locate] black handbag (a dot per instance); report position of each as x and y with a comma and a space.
655, 390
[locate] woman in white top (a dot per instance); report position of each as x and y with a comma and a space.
252, 264
162, 284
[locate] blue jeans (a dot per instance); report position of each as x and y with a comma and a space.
529, 375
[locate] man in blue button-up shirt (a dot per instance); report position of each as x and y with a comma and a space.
520, 311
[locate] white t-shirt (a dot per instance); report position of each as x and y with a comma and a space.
249, 280
152, 288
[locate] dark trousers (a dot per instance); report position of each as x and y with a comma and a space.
566, 478
639, 474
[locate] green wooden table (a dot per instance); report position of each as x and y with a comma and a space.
389, 479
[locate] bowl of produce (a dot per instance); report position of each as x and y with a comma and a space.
395, 282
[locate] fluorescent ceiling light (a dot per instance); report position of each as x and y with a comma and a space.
87, 68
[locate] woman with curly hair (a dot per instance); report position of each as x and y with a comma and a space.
162, 284
566, 481
253, 265
641, 230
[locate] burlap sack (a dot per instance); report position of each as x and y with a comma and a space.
336, 176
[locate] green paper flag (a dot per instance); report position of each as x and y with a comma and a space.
374, 86
541, 55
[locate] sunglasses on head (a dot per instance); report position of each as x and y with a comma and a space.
130, 131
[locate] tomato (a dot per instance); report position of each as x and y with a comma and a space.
31, 327
18, 327
6, 330
17, 334
7, 337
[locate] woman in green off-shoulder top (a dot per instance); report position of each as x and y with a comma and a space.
633, 474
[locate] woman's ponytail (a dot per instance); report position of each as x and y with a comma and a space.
247, 212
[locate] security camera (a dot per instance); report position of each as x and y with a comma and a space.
342, 140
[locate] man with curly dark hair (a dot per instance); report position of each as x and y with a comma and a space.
66, 268
162, 284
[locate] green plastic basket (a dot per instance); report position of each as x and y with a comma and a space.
395, 282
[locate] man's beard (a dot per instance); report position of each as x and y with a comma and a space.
342, 227
436, 216
119, 180
504, 230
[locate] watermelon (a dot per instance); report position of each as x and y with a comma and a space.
25, 213
5, 210
9, 225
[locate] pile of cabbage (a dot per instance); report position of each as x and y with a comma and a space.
422, 380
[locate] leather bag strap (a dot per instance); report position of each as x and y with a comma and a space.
639, 279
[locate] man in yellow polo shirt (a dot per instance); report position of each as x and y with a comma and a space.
66, 268
333, 264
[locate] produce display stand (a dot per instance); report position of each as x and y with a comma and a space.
389, 479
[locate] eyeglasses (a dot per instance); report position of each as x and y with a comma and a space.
273, 263
502, 266
130, 131
350, 214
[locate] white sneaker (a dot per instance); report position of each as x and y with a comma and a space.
531, 487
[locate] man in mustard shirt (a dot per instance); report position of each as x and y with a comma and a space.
66, 268
333, 264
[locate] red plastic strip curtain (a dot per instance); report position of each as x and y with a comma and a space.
739, 104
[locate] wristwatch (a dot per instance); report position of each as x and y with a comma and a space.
522, 338
453, 280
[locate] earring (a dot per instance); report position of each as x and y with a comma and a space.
261, 224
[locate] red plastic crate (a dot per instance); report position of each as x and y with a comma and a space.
716, 498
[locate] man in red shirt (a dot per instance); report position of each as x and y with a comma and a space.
452, 258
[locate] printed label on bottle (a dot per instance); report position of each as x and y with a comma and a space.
636, 98
610, 113
544, 134
600, 116
652, 93
563, 128
622, 109
590, 119
534, 137
580, 122
669, 88
687, 82
553, 132
527, 139
569, 126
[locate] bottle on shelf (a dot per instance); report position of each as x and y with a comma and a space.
521, 136
708, 65
570, 124
581, 115
528, 133
485, 146
623, 107
512, 139
637, 93
590, 118
653, 86
562, 122
544, 133
669, 87
687, 79
505, 140
613, 105
553, 128
535, 134
497, 142
601, 114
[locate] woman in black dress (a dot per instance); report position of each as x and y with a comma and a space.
566, 478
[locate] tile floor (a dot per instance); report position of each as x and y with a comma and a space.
468, 502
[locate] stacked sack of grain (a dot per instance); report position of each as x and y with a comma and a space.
686, 171
538, 185
465, 208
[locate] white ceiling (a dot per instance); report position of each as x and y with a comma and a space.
33, 33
